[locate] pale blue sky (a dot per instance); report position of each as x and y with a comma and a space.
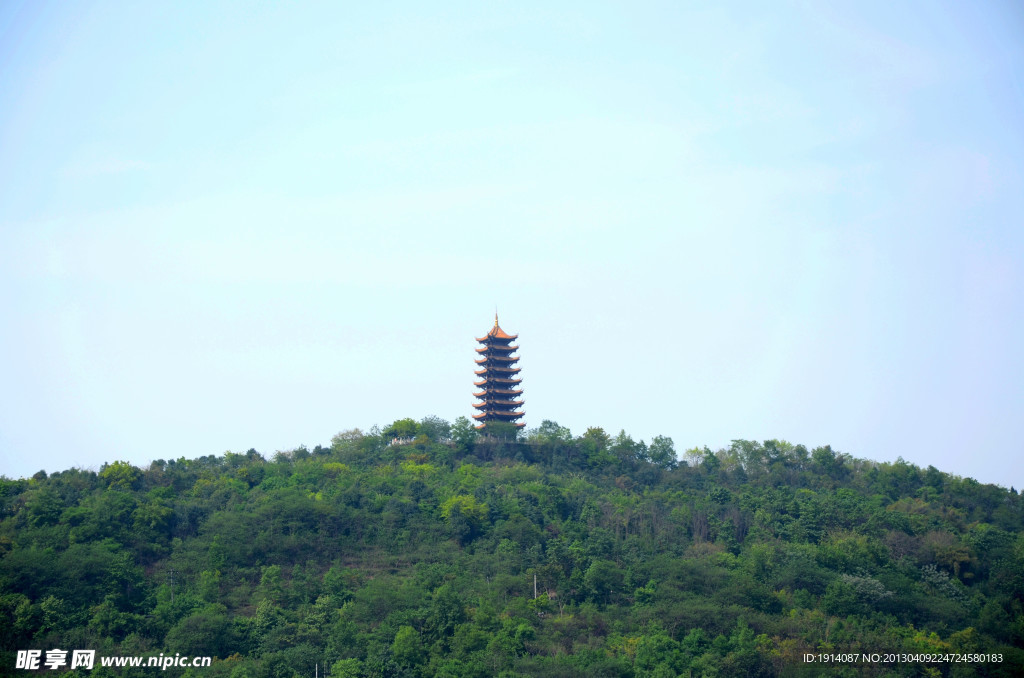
235, 225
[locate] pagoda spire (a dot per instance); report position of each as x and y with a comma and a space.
499, 393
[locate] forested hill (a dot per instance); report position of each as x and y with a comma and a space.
419, 558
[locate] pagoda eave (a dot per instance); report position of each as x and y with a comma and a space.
497, 408
495, 347
508, 416
497, 335
512, 382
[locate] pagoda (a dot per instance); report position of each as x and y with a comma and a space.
498, 382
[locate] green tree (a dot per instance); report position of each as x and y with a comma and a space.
338, 583
271, 585
209, 632
662, 452
445, 613
602, 579
402, 428
43, 507
347, 441
464, 435
465, 516
435, 428
120, 474
594, 445
407, 648
550, 432
347, 668
501, 430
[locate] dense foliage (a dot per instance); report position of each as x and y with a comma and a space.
425, 550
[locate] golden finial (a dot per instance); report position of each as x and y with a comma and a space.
495, 317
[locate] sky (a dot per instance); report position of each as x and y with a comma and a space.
235, 225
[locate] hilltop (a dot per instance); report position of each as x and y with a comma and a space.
426, 550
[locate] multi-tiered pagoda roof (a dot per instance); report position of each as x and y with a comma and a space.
499, 386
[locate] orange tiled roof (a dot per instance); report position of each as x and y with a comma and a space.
498, 370
497, 333
513, 415
494, 347
499, 391
497, 358
511, 404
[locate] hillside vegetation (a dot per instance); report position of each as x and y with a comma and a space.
421, 558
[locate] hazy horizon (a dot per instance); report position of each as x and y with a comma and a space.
230, 226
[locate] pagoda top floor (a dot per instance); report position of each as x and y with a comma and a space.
497, 334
